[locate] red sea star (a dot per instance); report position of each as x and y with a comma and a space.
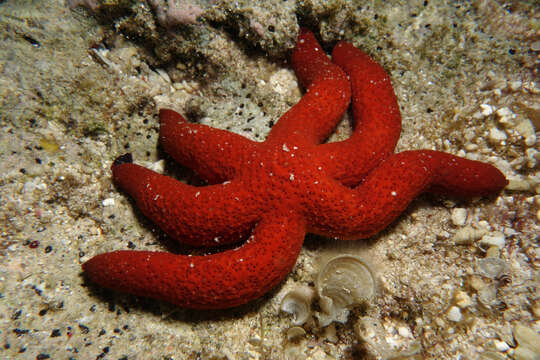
273, 192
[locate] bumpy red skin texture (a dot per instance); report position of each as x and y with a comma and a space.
274, 192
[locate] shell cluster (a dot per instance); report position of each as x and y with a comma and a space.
344, 281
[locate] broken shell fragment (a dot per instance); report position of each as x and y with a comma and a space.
297, 302
344, 281
487, 296
492, 268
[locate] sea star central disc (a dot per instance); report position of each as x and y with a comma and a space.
272, 193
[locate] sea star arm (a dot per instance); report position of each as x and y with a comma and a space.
377, 120
389, 188
216, 155
218, 281
325, 101
200, 216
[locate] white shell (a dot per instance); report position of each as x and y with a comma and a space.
298, 303
344, 281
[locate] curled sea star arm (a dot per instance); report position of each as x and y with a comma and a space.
216, 155
200, 216
325, 101
389, 188
216, 281
377, 120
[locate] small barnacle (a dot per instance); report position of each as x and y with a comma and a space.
298, 303
344, 281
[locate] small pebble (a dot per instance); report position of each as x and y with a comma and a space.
108, 202
530, 140
501, 346
462, 300
459, 216
484, 225
496, 136
525, 128
158, 166
487, 109
518, 184
454, 314
405, 332
439, 322
504, 112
